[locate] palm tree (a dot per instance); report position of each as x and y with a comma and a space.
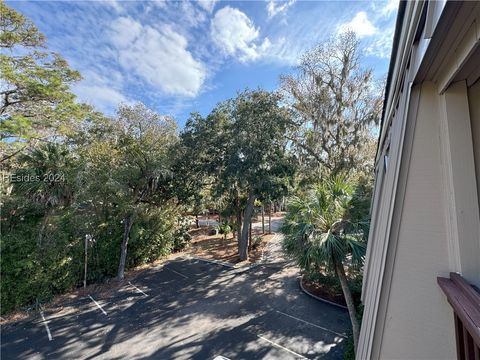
44, 181
321, 232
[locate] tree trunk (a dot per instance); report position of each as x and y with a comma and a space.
349, 300
196, 221
232, 222
247, 218
263, 219
270, 219
239, 226
86, 262
42, 228
250, 237
127, 226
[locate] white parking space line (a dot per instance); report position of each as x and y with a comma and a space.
176, 272
45, 322
282, 347
311, 324
96, 303
140, 291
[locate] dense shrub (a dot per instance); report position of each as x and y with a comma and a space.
33, 272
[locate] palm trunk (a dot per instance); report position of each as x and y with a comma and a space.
349, 300
247, 218
128, 222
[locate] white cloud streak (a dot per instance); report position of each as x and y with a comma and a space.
235, 34
105, 94
360, 24
207, 5
278, 7
390, 7
158, 56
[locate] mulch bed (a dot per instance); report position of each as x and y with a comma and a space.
215, 247
324, 291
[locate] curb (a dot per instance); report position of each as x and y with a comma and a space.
319, 298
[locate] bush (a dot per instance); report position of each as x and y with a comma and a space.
224, 229
33, 273
181, 237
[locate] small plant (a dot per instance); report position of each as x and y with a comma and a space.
224, 229
182, 237
256, 241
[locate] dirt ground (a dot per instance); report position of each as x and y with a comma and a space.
215, 247
324, 291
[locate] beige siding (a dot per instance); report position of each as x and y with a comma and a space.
474, 103
418, 321
434, 227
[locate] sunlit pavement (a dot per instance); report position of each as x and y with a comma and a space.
189, 309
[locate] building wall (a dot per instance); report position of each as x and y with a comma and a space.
474, 103
418, 321
425, 219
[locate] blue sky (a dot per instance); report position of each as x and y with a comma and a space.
179, 56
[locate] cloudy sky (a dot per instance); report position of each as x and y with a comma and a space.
179, 56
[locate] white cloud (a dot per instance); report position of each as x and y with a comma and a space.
390, 7
191, 14
381, 46
207, 5
277, 7
234, 33
115, 5
103, 93
102, 97
158, 56
360, 25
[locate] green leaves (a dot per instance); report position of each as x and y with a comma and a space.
319, 230
17, 30
239, 146
37, 104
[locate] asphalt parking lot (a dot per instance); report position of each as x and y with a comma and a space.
188, 309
